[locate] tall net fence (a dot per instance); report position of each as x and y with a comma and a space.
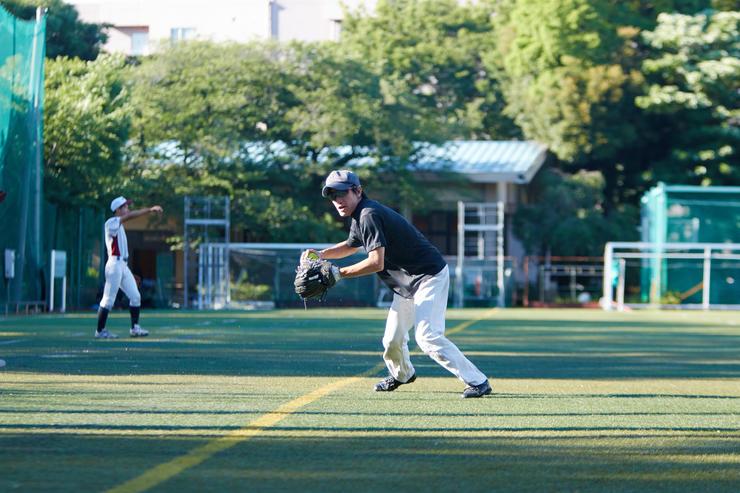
79, 233
688, 215
22, 50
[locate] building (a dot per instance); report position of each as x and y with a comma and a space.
138, 26
490, 171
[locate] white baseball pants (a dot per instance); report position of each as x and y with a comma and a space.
426, 310
119, 276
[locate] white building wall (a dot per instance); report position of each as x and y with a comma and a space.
242, 21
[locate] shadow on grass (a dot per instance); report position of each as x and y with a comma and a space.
320, 343
434, 462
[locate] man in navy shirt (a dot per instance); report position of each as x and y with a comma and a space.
416, 273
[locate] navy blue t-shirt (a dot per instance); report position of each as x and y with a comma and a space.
409, 257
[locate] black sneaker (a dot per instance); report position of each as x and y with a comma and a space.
477, 390
389, 383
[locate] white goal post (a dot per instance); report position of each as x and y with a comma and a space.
653, 256
214, 281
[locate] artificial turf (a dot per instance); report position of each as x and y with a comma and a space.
282, 400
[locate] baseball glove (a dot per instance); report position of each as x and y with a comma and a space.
313, 278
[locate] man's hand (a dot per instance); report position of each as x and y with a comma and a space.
310, 253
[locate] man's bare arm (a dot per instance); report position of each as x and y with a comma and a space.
374, 262
340, 250
140, 212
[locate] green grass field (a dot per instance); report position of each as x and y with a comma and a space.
282, 401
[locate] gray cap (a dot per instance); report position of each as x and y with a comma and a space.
340, 180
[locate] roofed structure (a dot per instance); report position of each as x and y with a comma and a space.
487, 161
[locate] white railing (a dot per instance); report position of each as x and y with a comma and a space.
616, 254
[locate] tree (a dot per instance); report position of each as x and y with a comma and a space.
196, 133
427, 54
86, 121
560, 61
344, 114
571, 71
693, 75
569, 218
66, 35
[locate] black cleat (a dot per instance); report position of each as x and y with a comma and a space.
389, 383
477, 390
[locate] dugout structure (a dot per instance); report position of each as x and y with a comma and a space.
561, 280
22, 50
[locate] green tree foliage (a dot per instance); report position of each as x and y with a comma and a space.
214, 119
559, 62
86, 121
694, 75
569, 218
428, 56
264, 122
344, 114
66, 34
571, 72
341, 103
418, 66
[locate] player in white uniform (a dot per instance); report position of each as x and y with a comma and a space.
117, 274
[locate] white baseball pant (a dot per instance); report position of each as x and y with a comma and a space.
118, 275
427, 311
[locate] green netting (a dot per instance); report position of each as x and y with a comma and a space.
691, 214
79, 233
686, 214
268, 275
22, 50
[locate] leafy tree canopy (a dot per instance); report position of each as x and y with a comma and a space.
571, 70
694, 73
241, 134
86, 120
428, 55
569, 218
66, 34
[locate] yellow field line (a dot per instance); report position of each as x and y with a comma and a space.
169, 469
468, 323
163, 472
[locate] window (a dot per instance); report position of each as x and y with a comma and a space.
132, 40
440, 228
336, 29
140, 43
181, 33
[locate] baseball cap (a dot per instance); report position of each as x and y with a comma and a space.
118, 202
340, 180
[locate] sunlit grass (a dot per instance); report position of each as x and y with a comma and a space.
583, 401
